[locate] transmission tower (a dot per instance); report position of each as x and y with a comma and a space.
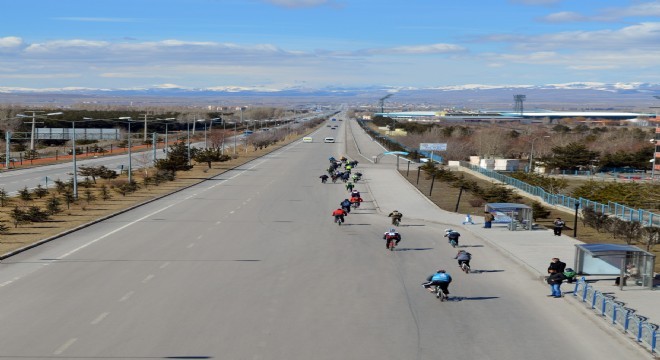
518, 107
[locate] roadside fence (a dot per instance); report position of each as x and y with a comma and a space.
637, 326
646, 218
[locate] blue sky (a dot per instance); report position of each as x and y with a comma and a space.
274, 44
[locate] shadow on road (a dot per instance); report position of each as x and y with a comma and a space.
462, 298
484, 271
412, 249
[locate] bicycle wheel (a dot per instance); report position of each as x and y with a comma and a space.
453, 243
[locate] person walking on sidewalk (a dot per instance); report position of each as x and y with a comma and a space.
488, 220
468, 220
558, 226
556, 265
554, 280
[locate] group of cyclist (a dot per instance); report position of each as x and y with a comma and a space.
442, 278
392, 237
354, 200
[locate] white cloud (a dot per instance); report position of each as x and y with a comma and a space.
10, 42
563, 17
643, 35
417, 50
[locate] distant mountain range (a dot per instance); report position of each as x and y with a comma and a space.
569, 96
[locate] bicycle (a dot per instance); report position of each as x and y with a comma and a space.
453, 243
391, 244
439, 293
338, 220
396, 221
465, 267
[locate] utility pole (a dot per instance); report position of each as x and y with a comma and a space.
34, 118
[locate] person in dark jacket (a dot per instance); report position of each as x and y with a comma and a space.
556, 265
554, 280
558, 226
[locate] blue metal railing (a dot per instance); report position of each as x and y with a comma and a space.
623, 212
637, 326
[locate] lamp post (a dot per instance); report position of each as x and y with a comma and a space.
166, 123
34, 116
531, 153
205, 141
188, 141
235, 134
130, 146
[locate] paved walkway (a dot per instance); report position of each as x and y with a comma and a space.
532, 249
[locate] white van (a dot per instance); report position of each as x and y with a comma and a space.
329, 140
308, 139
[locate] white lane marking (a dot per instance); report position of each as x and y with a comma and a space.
126, 296
218, 222
9, 281
148, 215
115, 231
165, 265
149, 277
99, 318
190, 246
65, 346
231, 212
199, 236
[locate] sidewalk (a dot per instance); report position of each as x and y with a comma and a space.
532, 249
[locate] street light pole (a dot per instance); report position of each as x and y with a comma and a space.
130, 146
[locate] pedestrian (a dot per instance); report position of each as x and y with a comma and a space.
556, 265
468, 220
554, 280
324, 178
488, 220
558, 226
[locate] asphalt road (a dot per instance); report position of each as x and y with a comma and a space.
251, 266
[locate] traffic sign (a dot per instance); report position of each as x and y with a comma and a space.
433, 146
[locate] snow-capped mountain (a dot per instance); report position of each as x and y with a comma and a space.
568, 95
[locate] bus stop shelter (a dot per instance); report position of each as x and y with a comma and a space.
516, 216
632, 265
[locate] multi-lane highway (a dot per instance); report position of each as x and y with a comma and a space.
250, 265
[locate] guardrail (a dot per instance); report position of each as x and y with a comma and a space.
637, 326
623, 212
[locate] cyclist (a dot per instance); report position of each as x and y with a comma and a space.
396, 216
339, 214
346, 205
390, 236
440, 278
452, 235
349, 186
355, 201
355, 178
463, 257
355, 193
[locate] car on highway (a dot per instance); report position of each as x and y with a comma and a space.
329, 139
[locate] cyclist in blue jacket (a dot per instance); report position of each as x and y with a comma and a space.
440, 278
